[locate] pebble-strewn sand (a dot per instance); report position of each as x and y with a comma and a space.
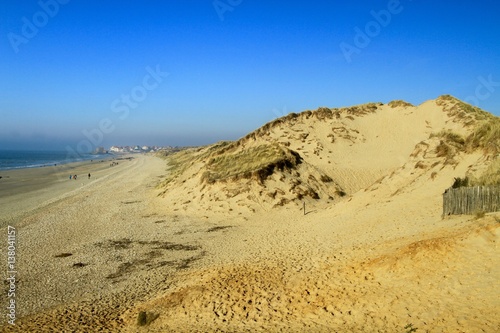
95, 255
90, 248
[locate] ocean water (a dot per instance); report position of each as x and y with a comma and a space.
19, 159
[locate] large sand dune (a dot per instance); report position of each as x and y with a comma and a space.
225, 247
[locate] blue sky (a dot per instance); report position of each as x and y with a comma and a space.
67, 66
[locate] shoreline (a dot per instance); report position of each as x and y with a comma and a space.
66, 245
62, 162
23, 190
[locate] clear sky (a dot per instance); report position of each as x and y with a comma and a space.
84, 73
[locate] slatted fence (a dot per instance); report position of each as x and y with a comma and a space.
470, 200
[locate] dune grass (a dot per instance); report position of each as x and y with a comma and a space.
449, 146
491, 176
486, 136
258, 161
178, 163
468, 114
399, 103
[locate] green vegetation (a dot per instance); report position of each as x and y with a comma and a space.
459, 110
361, 110
258, 162
449, 146
491, 176
460, 182
410, 329
178, 163
146, 318
451, 137
399, 103
486, 136
326, 179
479, 214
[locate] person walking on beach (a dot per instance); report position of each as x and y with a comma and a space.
74, 177
89, 175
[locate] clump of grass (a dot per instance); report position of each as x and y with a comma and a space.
145, 318
259, 162
479, 214
486, 136
399, 103
461, 182
340, 193
326, 179
410, 329
180, 161
361, 110
491, 176
450, 145
466, 113
451, 137
326, 113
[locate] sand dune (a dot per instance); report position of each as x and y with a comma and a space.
225, 247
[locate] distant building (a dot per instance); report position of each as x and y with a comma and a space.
100, 150
140, 149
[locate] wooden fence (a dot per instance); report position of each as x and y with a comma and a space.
470, 200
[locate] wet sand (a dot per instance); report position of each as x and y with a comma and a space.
22, 190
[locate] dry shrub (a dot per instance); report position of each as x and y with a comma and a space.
450, 137
340, 193
420, 165
461, 182
479, 214
486, 136
469, 115
145, 318
326, 179
491, 176
450, 145
364, 109
399, 103
282, 202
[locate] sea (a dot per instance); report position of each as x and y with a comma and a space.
20, 159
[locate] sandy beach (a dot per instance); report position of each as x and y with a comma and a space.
92, 255
22, 190
67, 229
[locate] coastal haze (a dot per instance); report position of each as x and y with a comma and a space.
231, 166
